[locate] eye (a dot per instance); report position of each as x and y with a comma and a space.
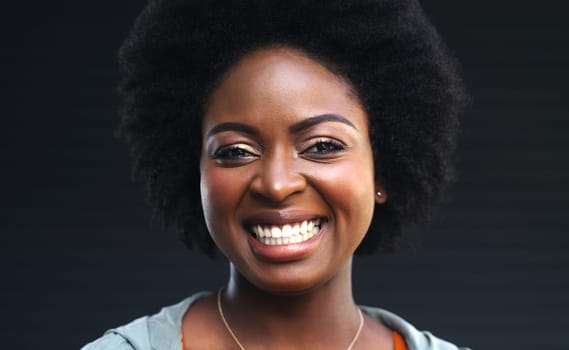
235, 154
324, 148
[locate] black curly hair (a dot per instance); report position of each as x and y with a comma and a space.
387, 50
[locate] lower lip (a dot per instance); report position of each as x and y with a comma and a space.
285, 252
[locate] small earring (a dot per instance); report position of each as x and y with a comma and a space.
378, 194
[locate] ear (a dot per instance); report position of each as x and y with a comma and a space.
380, 193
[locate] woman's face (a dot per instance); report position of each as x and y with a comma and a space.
287, 179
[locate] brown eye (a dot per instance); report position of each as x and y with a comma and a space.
324, 147
235, 154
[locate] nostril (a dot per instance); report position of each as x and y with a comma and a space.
277, 180
279, 189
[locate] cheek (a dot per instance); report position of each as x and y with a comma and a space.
352, 195
218, 192
356, 198
222, 191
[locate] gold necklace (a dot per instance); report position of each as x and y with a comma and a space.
220, 309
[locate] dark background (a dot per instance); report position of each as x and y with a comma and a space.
78, 255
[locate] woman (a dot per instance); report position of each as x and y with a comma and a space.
287, 136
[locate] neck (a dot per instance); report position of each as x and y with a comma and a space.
305, 317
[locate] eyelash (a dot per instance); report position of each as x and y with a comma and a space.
325, 147
237, 154
233, 152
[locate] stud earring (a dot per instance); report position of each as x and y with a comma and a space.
378, 194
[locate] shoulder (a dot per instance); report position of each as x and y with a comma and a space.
109, 341
132, 336
414, 338
159, 331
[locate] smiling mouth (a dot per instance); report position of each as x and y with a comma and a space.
286, 234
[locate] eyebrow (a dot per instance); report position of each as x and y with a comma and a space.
232, 126
328, 117
297, 127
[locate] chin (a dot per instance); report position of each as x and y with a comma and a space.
288, 286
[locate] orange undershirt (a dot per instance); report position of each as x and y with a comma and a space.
398, 342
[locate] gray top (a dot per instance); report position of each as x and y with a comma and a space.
162, 331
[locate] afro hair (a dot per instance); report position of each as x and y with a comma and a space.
388, 51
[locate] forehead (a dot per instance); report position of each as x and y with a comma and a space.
281, 82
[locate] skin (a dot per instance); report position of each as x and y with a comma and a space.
286, 140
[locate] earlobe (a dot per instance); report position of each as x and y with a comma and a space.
380, 194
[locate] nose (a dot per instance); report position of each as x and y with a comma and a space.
278, 177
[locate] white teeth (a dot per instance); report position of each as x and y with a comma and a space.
315, 229
303, 227
287, 231
276, 232
295, 230
286, 234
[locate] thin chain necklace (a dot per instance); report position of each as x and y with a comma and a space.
220, 309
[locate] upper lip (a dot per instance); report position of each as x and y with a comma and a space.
280, 217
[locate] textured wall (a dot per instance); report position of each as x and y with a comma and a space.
78, 254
